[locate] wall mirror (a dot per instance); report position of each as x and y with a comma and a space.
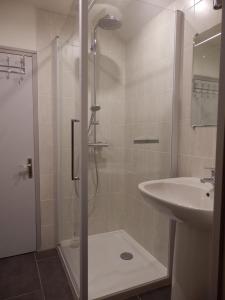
205, 80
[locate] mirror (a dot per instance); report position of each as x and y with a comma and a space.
205, 81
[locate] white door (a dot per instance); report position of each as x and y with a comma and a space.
17, 185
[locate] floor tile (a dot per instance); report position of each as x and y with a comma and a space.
32, 296
46, 254
54, 281
18, 275
160, 294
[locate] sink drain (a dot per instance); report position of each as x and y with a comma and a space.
126, 256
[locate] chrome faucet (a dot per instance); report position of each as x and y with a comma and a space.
209, 179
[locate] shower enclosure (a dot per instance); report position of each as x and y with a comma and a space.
128, 139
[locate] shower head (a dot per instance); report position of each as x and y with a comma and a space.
109, 22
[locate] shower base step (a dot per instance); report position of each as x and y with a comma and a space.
109, 273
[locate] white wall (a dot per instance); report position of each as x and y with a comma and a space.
196, 151
196, 146
148, 113
21, 26
135, 95
25, 27
17, 25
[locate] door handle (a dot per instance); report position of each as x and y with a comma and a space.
73, 177
29, 167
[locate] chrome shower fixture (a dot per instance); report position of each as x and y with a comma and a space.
95, 108
108, 22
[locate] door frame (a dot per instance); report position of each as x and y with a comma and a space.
218, 247
83, 69
33, 55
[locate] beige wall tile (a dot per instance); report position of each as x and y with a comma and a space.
48, 235
48, 213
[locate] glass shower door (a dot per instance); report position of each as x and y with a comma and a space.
131, 71
68, 111
127, 131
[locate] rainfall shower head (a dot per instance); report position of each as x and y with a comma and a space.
109, 22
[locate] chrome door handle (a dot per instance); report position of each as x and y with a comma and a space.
29, 168
73, 177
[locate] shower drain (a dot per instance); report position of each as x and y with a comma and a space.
126, 256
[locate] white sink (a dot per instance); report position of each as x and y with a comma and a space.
184, 199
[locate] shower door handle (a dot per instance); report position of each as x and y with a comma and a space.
217, 4
29, 168
73, 177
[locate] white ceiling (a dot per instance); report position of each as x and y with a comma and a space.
67, 6
64, 7
134, 13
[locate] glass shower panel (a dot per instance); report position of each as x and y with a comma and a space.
131, 66
68, 149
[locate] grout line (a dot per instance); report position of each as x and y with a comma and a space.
39, 276
44, 258
25, 294
50, 257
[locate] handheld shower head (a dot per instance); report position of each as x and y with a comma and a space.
108, 22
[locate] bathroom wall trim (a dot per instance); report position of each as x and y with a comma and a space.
218, 271
178, 47
33, 54
83, 32
57, 158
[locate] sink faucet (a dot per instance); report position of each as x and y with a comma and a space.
209, 179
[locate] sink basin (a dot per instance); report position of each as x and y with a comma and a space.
183, 199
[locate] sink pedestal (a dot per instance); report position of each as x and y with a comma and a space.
191, 267
191, 201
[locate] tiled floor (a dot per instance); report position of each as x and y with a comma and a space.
161, 294
41, 277
33, 277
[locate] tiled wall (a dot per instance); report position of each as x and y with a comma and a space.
135, 80
105, 209
196, 151
196, 146
146, 111
17, 24
134, 95
149, 82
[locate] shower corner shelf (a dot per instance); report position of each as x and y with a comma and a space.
98, 145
